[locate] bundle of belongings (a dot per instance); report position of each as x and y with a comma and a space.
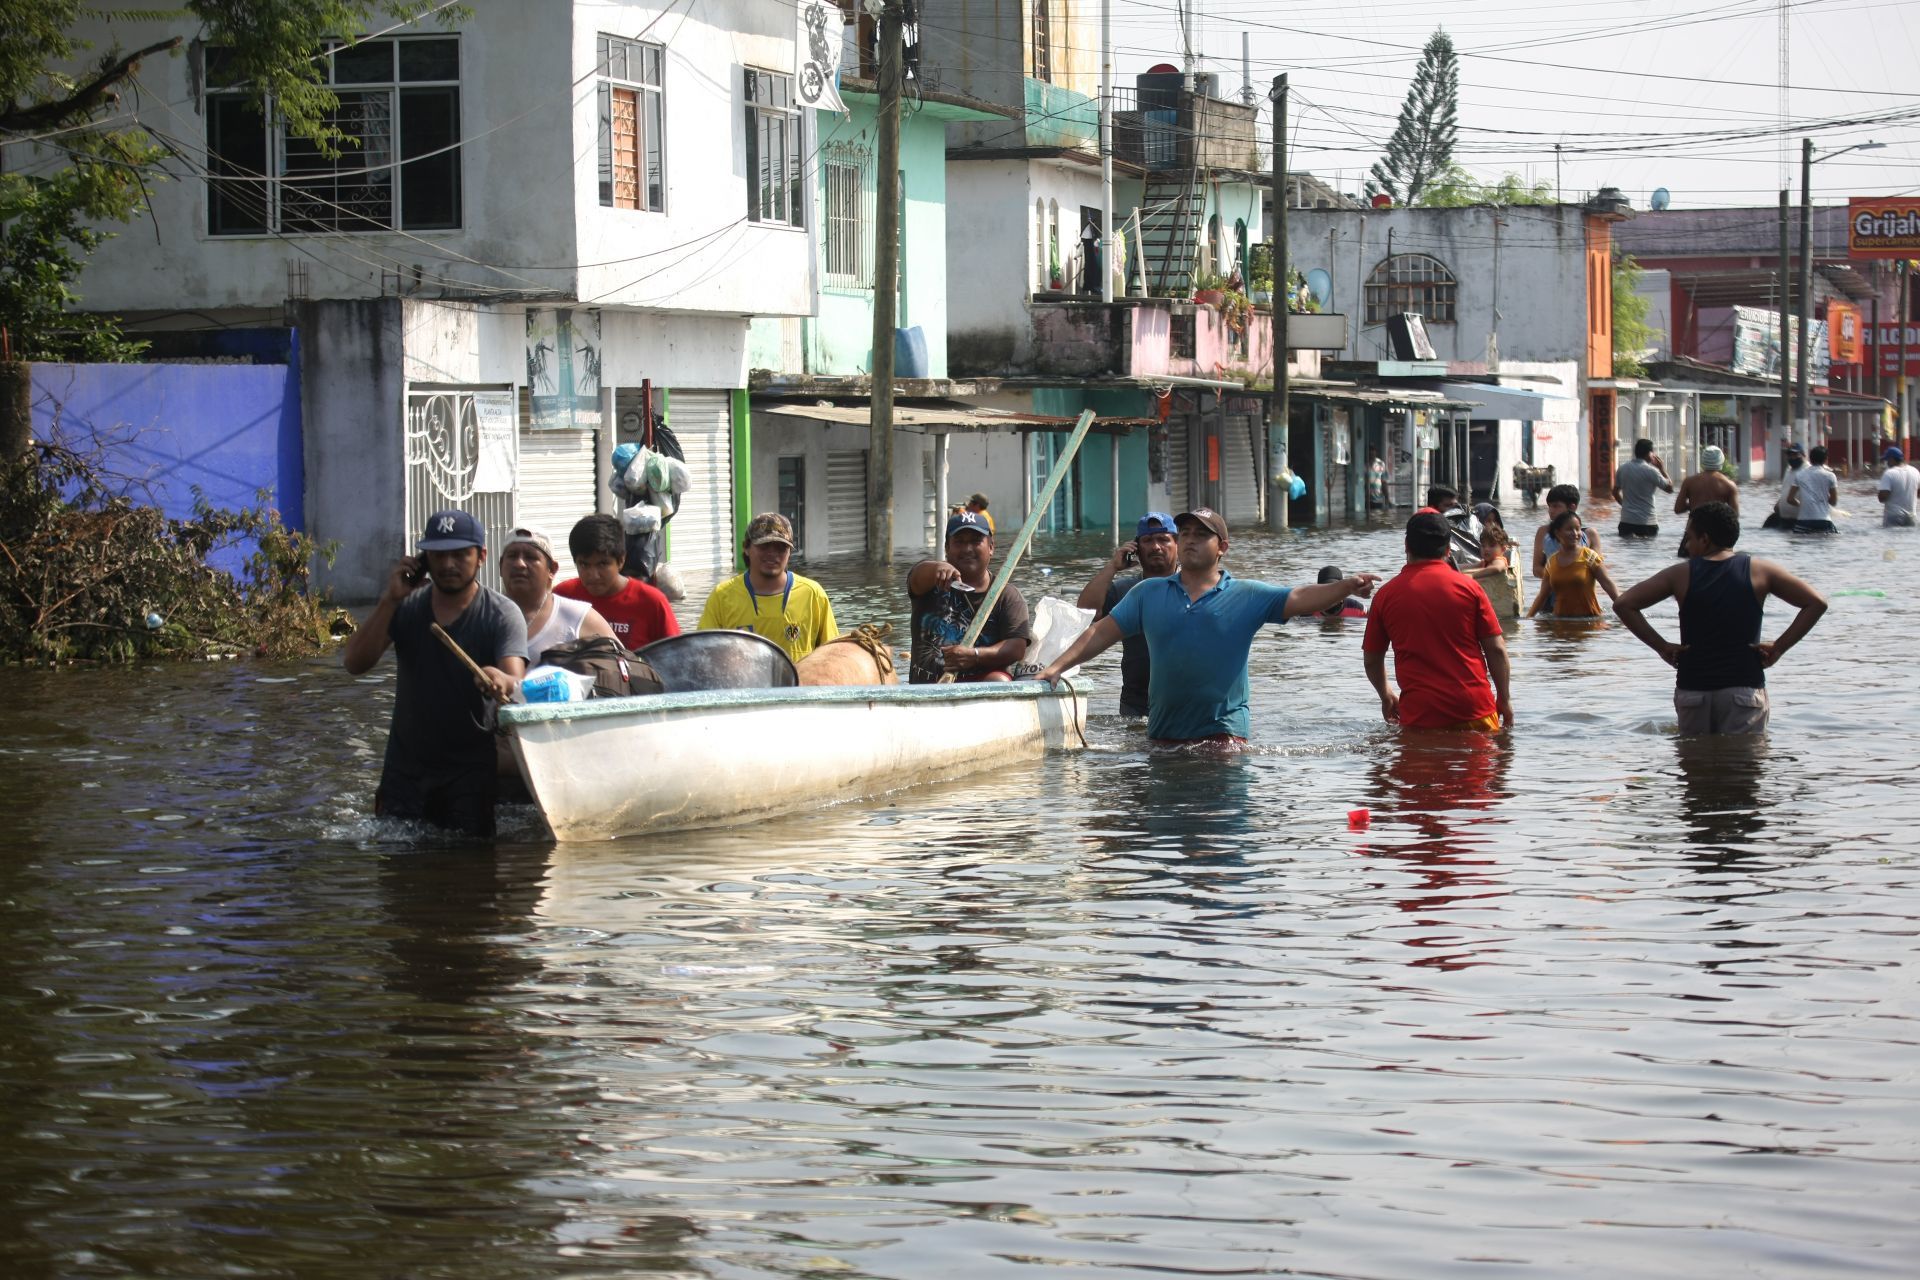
598, 667
649, 483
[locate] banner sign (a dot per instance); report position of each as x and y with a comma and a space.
563, 368
1883, 349
817, 43
1756, 344
1845, 341
1883, 227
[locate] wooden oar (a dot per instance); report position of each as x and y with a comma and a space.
1000, 580
447, 640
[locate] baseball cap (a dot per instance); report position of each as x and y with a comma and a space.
1207, 516
1893, 454
452, 530
1794, 448
1430, 524
1154, 522
969, 522
532, 537
769, 526
1329, 573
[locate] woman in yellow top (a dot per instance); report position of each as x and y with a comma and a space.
1571, 573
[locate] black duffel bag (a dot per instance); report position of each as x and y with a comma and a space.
617, 671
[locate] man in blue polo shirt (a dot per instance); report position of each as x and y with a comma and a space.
1200, 624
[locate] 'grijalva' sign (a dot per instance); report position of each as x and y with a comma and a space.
1883, 227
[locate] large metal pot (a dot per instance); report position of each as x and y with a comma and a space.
719, 660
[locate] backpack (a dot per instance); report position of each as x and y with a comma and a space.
617, 672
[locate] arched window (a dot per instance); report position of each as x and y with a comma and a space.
1212, 262
1039, 245
1055, 267
1411, 282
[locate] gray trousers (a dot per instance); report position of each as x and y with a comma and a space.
1737, 710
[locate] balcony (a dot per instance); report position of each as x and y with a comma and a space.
1183, 131
1162, 337
1057, 117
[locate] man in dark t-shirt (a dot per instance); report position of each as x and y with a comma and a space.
946, 595
440, 763
1155, 547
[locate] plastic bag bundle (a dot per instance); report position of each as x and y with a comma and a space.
666, 580
643, 518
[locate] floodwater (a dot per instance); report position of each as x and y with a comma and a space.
1589, 1001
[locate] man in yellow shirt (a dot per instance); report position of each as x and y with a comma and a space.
770, 599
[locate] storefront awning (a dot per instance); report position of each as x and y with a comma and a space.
935, 420
1511, 403
1354, 393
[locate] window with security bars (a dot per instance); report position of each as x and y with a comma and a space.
396, 165
1411, 283
774, 149
632, 128
848, 258
1042, 39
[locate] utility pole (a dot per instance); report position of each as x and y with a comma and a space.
1106, 157
1802, 417
1278, 411
1900, 369
1786, 345
886, 284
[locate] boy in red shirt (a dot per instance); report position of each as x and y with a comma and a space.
1445, 639
637, 612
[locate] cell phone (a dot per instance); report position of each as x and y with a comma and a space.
1129, 558
415, 570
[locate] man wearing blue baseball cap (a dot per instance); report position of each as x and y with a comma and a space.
947, 593
1897, 485
440, 764
1154, 548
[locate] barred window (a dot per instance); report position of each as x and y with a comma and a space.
399, 168
632, 128
1042, 40
1411, 282
844, 167
774, 150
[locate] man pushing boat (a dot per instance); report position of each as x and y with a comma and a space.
1200, 624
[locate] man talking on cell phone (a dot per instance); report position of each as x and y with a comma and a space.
1155, 547
440, 763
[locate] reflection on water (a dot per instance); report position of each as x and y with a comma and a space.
1587, 998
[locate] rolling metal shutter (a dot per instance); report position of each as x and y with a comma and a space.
702, 530
846, 502
1239, 474
1179, 467
556, 486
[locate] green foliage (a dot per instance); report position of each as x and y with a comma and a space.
1421, 147
1632, 335
88, 573
1260, 266
92, 166
1455, 188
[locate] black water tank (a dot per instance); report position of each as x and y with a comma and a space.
1159, 90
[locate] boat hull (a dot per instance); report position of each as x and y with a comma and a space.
616, 767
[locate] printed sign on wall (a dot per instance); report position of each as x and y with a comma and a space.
563, 368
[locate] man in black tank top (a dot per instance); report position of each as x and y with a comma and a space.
1720, 658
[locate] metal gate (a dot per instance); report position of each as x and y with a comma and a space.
702, 530
1239, 470
445, 468
846, 502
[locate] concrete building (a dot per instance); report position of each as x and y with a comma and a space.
550, 220
1516, 304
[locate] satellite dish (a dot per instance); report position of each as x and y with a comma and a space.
1661, 197
1320, 285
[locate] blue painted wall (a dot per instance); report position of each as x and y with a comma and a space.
229, 429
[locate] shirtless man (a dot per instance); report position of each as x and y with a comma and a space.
1709, 484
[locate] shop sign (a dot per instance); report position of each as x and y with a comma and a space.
1883, 227
1843, 333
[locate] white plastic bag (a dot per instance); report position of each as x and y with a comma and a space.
679, 478
666, 580
1056, 625
644, 518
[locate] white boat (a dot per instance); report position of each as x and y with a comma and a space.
626, 766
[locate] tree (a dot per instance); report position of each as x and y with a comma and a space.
1421, 147
1632, 335
83, 159
1455, 188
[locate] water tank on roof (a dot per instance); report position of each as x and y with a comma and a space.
1206, 84
1661, 198
1159, 90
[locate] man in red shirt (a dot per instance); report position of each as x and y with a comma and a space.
638, 613
1445, 639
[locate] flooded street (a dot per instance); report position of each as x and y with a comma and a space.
1587, 1000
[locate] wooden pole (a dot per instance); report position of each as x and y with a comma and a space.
1786, 346
886, 283
1278, 408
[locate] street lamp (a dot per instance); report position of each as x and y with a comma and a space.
1801, 411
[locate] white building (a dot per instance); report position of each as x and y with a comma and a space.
547, 215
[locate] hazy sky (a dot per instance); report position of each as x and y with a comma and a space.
1639, 93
